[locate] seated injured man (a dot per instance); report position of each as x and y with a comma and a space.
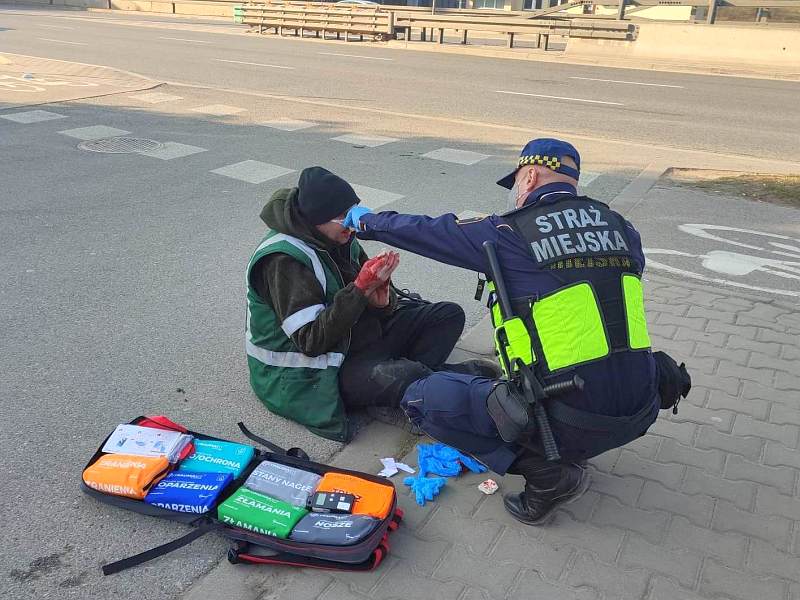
326, 331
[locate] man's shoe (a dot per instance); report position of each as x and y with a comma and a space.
480, 367
533, 506
395, 417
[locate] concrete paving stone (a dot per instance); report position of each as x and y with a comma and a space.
759, 360
748, 321
781, 414
423, 556
712, 339
453, 155
620, 584
305, 584
172, 150
401, 582
374, 198
794, 591
494, 576
630, 464
703, 298
765, 312
586, 178
710, 438
698, 397
770, 501
697, 508
624, 489
532, 585
363, 582
737, 342
782, 478
606, 461
339, 590
790, 320
779, 455
516, 546
664, 426
721, 420
703, 350
717, 579
731, 369
741, 493
679, 350
674, 308
765, 559
415, 515
785, 434
94, 132
564, 531
650, 524
729, 385
785, 381
778, 337
32, 116
711, 313
678, 564
582, 508
252, 171
288, 124
775, 530
646, 446
218, 110
755, 407
696, 323
729, 548
662, 332
752, 390
708, 460
155, 97
790, 352
665, 589
749, 333
369, 141
446, 524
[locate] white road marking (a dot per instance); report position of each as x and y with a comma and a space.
374, 198
244, 62
587, 177
288, 124
63, 42
680, 87
54, 26
173, 150
355, 56
470, 214
452, 155
185, 40
32, 116
94, 132
218, 110
559, 98
370, 141
252, 171
155, 97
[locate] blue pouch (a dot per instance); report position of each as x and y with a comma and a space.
183, 491
212, 456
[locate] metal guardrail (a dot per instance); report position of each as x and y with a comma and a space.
319, 19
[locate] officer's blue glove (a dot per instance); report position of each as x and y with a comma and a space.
425, 488
444, 460
353, 217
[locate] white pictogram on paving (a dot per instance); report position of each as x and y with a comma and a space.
218, 110
370, 141
772, 260
452, 155
288, 124
32, 116
374, 198
172, 150
252, 171
94, 132
155, 97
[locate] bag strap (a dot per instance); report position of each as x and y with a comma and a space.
143, 557
295, 452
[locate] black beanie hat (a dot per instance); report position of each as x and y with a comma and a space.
323, 196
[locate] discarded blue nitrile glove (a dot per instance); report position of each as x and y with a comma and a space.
440, 459
353, 217
425, 488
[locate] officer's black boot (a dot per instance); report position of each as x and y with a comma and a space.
544, 490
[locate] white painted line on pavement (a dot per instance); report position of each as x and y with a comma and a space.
244, 62
185, 40
680, 87
452, 155
465, 215
32, 116
355, 56
252, 171
587, 177
155, 97
54, 26
288, 124
219, 110
172, 150
62, 42
374, 198
94, 132
370, 141
559, 98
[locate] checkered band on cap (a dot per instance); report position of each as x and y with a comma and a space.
551, 162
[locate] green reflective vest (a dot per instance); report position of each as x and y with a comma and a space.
292, 384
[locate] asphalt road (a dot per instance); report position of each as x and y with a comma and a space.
720, 114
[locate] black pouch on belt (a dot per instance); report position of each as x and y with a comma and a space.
674, 381
509, 411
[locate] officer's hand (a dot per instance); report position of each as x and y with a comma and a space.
353, 217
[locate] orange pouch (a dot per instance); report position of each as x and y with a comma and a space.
372, 499
126, 474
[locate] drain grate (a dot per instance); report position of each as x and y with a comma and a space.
120, 145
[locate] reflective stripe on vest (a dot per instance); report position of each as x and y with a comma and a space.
302, 317
316, 264
290, 359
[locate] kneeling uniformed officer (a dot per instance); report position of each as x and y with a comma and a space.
567, 306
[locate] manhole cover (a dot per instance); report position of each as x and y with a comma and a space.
120, 145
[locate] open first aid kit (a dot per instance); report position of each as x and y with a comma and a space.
277, 506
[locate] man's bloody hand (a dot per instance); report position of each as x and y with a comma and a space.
380, 297
376, 272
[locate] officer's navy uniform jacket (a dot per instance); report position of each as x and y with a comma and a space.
622, 384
